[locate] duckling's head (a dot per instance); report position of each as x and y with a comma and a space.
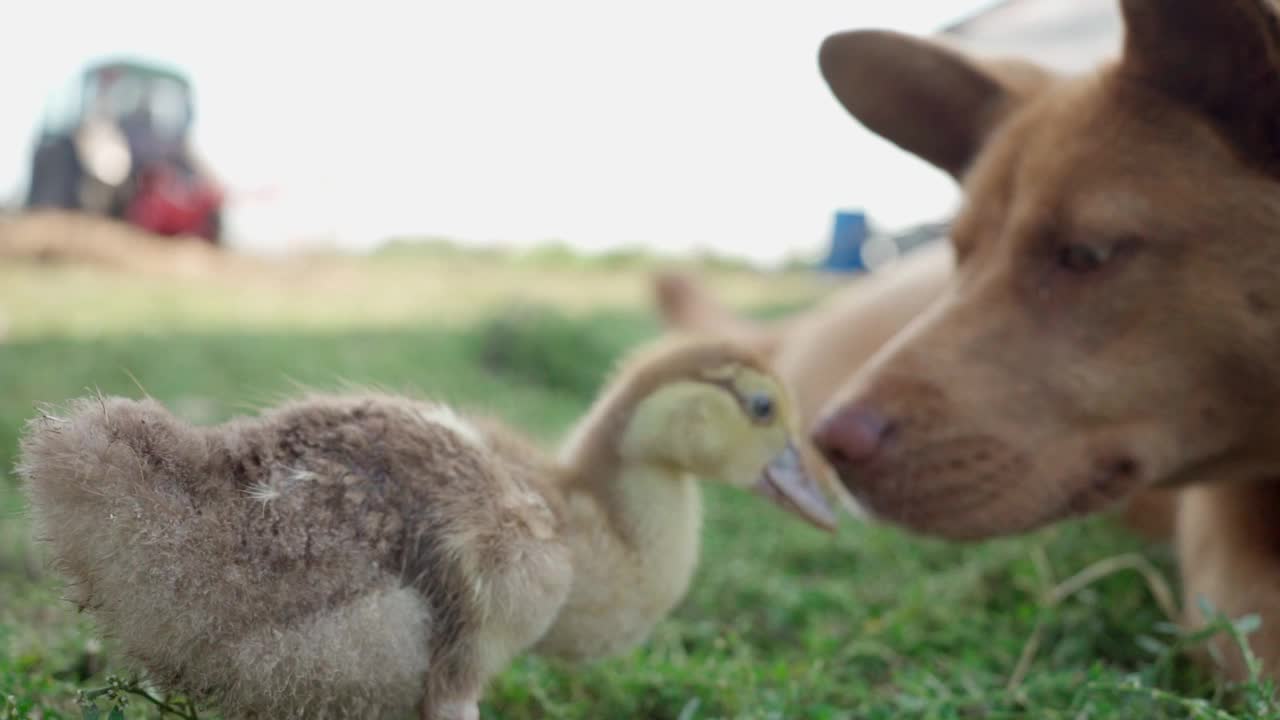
714, 409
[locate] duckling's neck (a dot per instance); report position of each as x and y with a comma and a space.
634, 532
658, 511
643, 498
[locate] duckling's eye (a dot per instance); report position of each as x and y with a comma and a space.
761, 407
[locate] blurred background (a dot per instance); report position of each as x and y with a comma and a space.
669, 126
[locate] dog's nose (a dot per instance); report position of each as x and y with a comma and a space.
852, 435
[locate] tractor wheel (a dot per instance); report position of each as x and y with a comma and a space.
55, 177
213, 228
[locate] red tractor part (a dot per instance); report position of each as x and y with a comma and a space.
169, 202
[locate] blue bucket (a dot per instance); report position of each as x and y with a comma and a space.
848, 234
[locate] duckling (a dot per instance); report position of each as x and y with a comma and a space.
368, 555
339, 556
678, 412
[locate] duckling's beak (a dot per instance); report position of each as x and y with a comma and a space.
786, 482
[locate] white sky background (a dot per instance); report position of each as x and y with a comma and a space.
676, 124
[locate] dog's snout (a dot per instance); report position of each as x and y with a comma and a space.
853, 434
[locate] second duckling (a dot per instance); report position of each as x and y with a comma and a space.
677, 412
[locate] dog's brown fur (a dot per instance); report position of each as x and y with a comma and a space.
1111, 322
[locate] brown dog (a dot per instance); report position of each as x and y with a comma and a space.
1107, 317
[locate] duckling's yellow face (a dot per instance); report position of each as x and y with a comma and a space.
733, 424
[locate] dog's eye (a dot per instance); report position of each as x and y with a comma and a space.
1082, 258
761, 407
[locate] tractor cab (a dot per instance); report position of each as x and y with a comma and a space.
115, 141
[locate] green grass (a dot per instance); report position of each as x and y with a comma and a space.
782, 622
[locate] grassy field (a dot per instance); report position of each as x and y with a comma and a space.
782, 622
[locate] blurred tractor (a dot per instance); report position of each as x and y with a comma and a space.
115, 142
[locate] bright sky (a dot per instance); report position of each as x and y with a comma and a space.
675, 124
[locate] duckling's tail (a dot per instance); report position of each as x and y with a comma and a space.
102, 475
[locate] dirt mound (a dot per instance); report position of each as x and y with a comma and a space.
62, 237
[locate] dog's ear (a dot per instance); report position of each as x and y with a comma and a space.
925, 98
1220, 57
